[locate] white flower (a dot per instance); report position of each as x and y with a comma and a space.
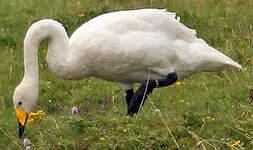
27, 142
157, 111
74, 110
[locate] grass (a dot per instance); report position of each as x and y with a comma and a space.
208, 111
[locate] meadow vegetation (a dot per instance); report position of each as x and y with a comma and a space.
204, 111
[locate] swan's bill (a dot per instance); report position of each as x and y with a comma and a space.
22, 117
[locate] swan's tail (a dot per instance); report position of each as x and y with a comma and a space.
225, 62
234, 66
211, 59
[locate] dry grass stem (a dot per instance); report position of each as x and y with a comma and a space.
196, 136
161, 117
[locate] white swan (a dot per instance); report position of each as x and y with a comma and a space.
120, 46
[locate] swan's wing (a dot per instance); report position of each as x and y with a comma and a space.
145, 20
131, 42
128, 43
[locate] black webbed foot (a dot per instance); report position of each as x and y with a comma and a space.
140, 96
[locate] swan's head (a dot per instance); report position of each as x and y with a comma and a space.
24, 98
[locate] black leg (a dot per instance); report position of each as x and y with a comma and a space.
128, 97
140, 96
137, 98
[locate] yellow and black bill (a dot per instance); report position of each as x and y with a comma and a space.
22, 117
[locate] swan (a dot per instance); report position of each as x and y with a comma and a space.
147, 46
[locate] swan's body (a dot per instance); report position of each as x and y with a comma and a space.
114, 48
121, 47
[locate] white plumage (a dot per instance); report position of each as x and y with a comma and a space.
120, 47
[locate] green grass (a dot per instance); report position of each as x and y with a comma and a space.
210, 105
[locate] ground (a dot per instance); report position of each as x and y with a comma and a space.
204, 111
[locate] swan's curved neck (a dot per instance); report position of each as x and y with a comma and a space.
57, 50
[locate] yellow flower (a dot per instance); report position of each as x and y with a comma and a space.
101, 138
78, 3
124, 130
41, 113
80, 15
36, 116
182, 100
113, 119
210, 118
33, 114
30, 121
244, 69
235, 143
178, 83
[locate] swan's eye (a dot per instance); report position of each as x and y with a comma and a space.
19, 103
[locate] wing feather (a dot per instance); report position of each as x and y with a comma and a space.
144, 20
